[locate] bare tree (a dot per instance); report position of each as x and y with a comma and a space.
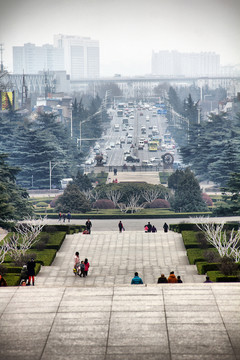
24, 237
4, 248
88, 194
151, 194
114, 196
95, 194
133, 204
226, 245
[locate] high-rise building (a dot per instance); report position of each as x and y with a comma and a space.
81, 56
31, 59
78, 56
174, 63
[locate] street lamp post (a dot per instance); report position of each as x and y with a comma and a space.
50, 173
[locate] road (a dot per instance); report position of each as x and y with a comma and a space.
111, 142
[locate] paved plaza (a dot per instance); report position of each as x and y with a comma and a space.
103, 317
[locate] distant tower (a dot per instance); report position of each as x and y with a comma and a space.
24, 92
1, 51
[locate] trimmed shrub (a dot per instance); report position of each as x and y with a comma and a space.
195, 255
103, 204
206, 198
159, 203
3, 270
228, 266
204, 267
189, 239
41, 204
201, 239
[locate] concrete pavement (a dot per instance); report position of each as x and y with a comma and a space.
158, 322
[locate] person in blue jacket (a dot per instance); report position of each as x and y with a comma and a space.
136, 280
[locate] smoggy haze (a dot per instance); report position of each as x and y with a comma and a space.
128, 30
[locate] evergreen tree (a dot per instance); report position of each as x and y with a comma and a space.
82, 181
13, 200
72, 200
188, 196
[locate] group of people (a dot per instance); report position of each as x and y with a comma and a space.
80, 267
63, 217
151, 228
172, 279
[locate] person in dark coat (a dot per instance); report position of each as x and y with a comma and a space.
149, 227
69, 216
162, 279
165, 227
2, 281
120, 226
88, 225
136, 280
179, 280
154, 229
31, 271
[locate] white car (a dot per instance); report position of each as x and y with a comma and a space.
126, 152
108, 147
130, 128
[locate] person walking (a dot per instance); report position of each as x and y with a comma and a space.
82, 269
88, 226
31, 271
87, 266
76, 266
136, 280
64, 217
60, 217
172, 278
162, 279
165, 227
120, 226
69, 216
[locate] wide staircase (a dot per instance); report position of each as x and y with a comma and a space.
114, 257
103, 317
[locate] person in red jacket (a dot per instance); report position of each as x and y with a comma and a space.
172, 278
87, 266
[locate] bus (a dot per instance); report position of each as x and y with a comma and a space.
120, 113
152, 146
130, 104
121, 106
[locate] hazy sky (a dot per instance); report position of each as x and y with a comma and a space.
128, 30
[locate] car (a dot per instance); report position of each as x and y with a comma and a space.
146, 163
155, 160
131, 117
130, 128
112, 144
131, 158
117, 142
108, 147
126, 152
150, 127
124, 128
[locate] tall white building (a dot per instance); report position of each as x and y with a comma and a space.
81, 56
174, 63
31, 59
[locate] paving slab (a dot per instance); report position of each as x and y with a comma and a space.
120, 322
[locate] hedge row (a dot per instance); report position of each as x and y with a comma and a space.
217, 276
193, 227
127, 216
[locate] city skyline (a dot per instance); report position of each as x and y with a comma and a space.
128, 32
